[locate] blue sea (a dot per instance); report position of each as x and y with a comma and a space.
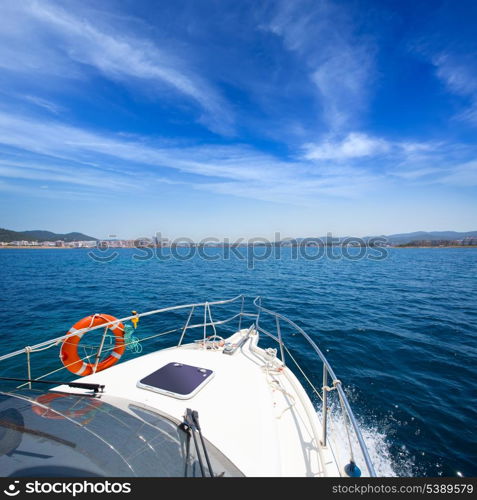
400, 332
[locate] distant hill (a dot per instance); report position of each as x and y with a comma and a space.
49, 236
39, 235
429, 236
395, 239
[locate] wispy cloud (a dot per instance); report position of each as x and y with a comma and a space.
49, 152
461, 175
340, 63
300, 190
416, 173
44, 103
359, 147
459, 74
354, 145
90, 148
45, 38
91, 158
421, 163
67, 174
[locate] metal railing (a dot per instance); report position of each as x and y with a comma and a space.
328, 371
207, 323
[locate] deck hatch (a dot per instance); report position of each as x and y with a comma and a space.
177, 380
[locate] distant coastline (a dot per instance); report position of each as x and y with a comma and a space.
11, 247
41, 239
433, 246
37, 247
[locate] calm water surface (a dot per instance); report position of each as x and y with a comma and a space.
401, 333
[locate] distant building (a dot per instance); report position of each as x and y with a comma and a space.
162, 242
22, 243
82, 244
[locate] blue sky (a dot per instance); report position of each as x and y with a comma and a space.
238, 119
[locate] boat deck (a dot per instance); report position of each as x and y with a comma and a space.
260, 419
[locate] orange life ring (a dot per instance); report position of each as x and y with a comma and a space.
47, 399
69, 349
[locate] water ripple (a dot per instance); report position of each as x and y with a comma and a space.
401, 333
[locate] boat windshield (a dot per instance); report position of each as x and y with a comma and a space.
56, 434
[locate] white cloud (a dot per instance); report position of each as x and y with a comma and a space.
463, 175
428, 163
44, 103
416, 173
354, 145
43, 39
76, 144
67, 174
341, 81
304, 191
458, 74
340, 63
49, 152
357, 148
91, 158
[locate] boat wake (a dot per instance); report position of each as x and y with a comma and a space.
386, 463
